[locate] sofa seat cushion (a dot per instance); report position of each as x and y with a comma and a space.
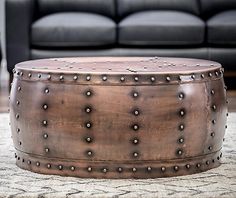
161, 28
222, 28
73, 30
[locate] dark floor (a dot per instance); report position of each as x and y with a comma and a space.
4, 94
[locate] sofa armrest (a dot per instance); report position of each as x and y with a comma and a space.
19, 16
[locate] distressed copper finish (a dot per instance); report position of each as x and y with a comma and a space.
118, 117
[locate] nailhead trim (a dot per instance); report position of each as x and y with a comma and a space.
147, 79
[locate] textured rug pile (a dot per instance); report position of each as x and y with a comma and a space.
219, 182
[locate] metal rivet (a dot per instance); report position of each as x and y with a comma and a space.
134, 169
19, 88
136, 78
122, 79
49, 166
210, 74
153, 79
72, 168
88, 125
213, 121
135, 154
193, 76
37, 164
212, 92
104, 170
28, 162
39, 75
136, 141
227, 114
17, 102
187, 166
88, 78
45, 135
89, 153
210, 148
88, 93
17, 116
198, 165
46, 90
45, 106
163, 169
149, 168
47, 150
135, 94
213, 107
216, 73
181, 140
45, 122
89, 169
136, 112
88, 109
135, 127
181, 95
75, 77
88, 139
104, 78
212, 134
49, 77
29, 75
61, 77
179, 152
120, 169
207, 162
176, 168
202, 76
182, 112
17, 130
60, 167
181, 127
168, 79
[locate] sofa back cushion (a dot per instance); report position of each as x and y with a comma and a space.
211, 7
126, 7
103, 7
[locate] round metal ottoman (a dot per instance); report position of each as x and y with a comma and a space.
118, 117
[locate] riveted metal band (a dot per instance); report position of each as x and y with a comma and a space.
117, 79
119, 170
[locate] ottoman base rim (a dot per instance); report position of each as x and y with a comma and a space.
117, 170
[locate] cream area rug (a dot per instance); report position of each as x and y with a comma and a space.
218, 182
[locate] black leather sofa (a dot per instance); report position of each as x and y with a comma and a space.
183, 28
